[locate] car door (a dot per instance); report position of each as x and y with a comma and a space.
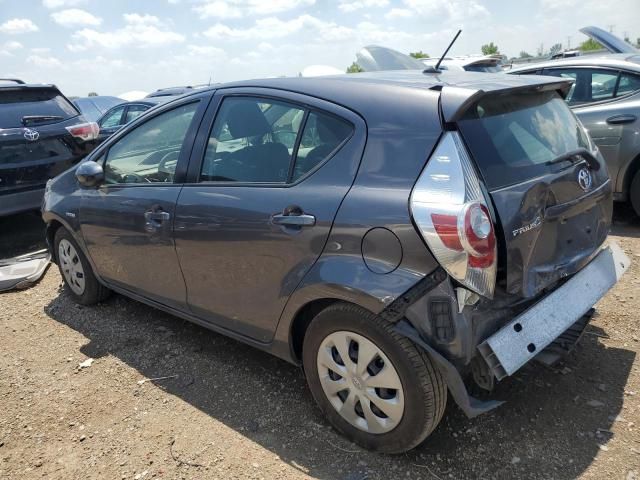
265, 183
110, 122
127, 221
611, 124
133, 111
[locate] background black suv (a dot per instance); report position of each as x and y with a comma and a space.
41, 135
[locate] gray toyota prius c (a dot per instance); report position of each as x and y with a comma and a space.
399, 235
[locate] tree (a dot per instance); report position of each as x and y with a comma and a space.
419, 54
556, 48
489, 49
92, 94
590, 45
524, 54
354, 68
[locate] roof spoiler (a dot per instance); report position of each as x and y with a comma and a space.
455, 101
14, 80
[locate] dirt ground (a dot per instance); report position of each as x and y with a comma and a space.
224, 410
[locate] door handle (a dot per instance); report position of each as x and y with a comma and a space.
297, 220
621, 119
157, 216
294, 216
154, 219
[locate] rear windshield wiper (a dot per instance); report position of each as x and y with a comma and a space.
29, 119
591, 160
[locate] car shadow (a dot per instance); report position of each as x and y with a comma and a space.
553, 424
625, 221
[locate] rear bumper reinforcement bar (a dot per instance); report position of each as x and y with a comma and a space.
530, 333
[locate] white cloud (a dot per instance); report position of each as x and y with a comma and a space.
140, 31
8, 48
240, 8
51, 4
137, 19
18, 25
454, 9
12, 45
273, 27
74, 17
44, 62
352, 6
207, 52
399, 13
218, 10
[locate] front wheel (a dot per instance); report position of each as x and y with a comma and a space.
76, 270
374, 385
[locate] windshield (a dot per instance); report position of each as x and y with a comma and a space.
15, 104
513, 138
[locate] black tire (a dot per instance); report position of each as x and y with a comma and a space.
634, 193
424, 389
94, 291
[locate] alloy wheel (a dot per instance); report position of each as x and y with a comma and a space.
360, 382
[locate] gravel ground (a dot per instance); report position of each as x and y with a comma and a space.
225, 410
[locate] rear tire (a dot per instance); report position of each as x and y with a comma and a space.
387, 419
79, 279
634, 193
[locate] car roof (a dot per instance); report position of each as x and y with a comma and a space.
28, 85
349, 84
369, 93
611, 60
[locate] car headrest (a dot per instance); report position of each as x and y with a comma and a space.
330, 131
245, 119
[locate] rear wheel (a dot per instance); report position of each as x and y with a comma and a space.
374, 385
634, 193
76, 270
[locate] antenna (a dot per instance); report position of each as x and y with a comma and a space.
436, 68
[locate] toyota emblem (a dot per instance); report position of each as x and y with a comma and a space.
31, 135
584, 179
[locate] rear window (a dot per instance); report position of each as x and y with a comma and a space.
15, 104
512, 138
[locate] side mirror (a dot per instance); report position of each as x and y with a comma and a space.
89, 174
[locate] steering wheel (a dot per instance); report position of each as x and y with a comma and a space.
166, 158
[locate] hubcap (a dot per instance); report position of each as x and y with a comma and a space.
360, 382
71, 266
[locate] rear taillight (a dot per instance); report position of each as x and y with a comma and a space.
452, 214
85, 131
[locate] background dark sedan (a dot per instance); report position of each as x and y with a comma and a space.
123, 113
94, 107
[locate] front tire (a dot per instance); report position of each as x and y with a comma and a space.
373, 384
79, 279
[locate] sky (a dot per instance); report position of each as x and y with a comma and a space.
114, 46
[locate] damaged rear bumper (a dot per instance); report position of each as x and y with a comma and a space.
524, 337
21, 272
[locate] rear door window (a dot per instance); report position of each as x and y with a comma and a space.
513, 138
134, 111
112, 119
44, 105
590, 84
256, 140
252, 140
322, 136
629, 83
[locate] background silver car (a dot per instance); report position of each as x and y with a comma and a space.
606, 98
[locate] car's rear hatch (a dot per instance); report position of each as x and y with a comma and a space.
553, 210
35, 144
